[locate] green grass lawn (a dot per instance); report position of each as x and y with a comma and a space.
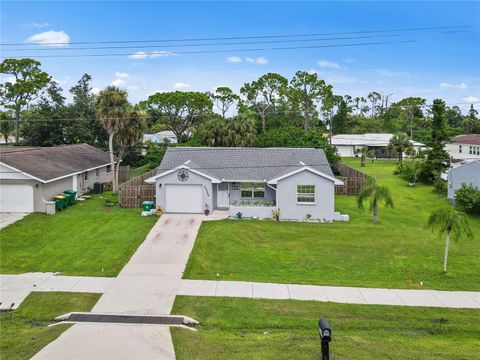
25, 331
137, 171
87, 238
233, 328
396, 253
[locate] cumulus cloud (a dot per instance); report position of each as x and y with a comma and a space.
181, 85
50, 38
95, 90
461, 86
151, 54
329, 64
258, 60
119, 82
234, 59
471, 99
36, 25
121, 75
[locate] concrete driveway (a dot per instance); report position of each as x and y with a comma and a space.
9, 218
146, 285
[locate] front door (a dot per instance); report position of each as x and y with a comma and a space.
222, 195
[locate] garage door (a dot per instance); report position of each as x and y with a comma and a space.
16, 198
183, 198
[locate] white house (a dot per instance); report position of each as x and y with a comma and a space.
161, 137
31, 176
465, 172
250, 181
463, 147
348, 143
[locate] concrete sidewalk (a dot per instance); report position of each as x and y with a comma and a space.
15, 288
350, 295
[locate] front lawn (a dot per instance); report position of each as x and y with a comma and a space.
233, 328
396, 253
87, 239
25, 331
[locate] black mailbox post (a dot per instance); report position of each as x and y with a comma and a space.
325, 337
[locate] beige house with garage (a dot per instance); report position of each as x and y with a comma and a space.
31, 176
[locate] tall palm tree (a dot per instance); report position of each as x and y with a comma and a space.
111, 107
450, 222
376, 194
240, 132
129, 134
400, 143
364, 153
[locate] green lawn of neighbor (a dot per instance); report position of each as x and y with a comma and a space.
137, 171
25, 331
87, 239
234, 328
396, 253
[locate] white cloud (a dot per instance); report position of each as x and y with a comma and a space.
234, 59
461, 86
132, 87
237, 59
121, 75
471, 99
95, 90
329, 64
119, 82
50, 38
261, 60
138, 55
36, 25
9, 79
181, 85
151, 54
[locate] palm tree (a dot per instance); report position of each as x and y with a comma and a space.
240, 132
129, 134
449, 222
376, 194
111, 107
364, 153
400, 143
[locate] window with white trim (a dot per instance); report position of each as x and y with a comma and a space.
305, 194
252, 190
109, 168
97, 172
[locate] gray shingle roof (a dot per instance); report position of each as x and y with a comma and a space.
238, 164
47, 163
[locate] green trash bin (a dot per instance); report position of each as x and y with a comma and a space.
68, 198
60, 202
73, 193
148, 205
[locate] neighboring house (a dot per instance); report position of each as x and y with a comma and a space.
463, 147
465, 172
30, 176
250, 181
161, 137
348, 143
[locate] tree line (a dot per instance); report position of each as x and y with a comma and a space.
269, 111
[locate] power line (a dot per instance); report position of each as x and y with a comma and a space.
247, 37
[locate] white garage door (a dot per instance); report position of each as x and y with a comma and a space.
183, 198
16, 198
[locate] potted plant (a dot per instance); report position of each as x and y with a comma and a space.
276, 214
206, 211
308, 217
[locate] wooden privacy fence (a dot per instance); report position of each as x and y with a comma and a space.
123, 173
135, 191
353, 180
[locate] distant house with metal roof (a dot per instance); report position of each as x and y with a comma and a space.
347, 144
249, 181
161, 137
463, 147
30, 176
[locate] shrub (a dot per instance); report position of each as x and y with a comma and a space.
409, 171
469, 198
440, 186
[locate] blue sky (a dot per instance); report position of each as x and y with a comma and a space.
445, 65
